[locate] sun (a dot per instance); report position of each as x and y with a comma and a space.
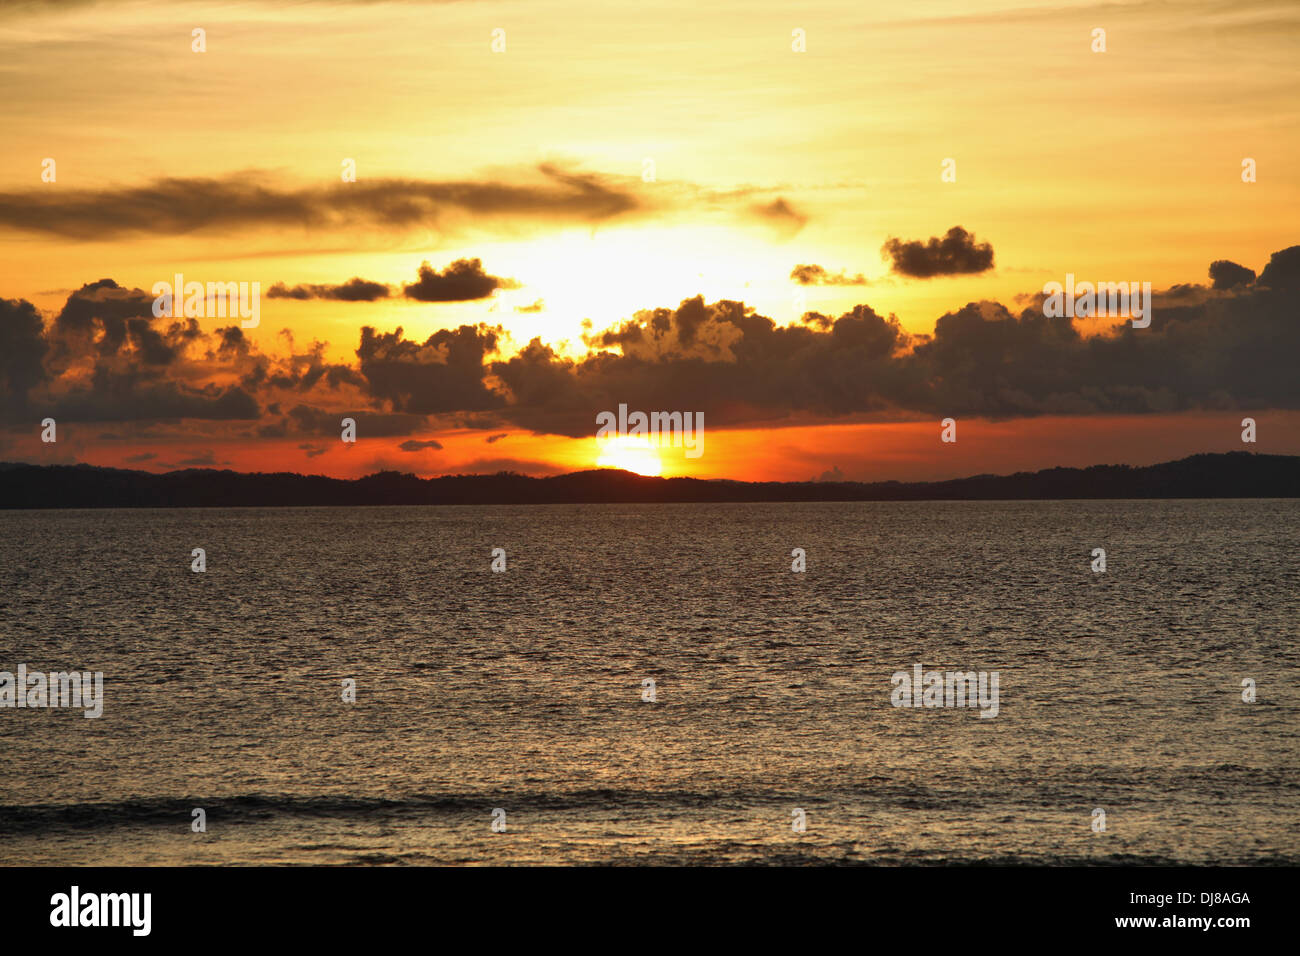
631, 453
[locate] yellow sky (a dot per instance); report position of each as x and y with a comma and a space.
1122, 165
1067, 160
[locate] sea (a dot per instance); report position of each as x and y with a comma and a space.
655, 684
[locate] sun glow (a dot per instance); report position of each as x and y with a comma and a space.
631, 453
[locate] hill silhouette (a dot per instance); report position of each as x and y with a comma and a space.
1231, 475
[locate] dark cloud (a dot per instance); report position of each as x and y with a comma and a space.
175, 206
817, 275
1218, 349
1202, 350
142, 457
232, 343
203, 460
413, 445
1229, 275
462, 281
493, 439
114, 397
23, 348
443, 374
105, 357
370, 424
278, 429
108, 320
1283, 270
956, 253
721, 359
354, 290
477, 420
298, 372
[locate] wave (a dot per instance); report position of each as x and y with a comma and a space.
252, 808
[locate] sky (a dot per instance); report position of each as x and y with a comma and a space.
474, 226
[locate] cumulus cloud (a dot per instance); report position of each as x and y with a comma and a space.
1283, 270
1228, 275
462, 281
817, 275
103, 357
445, 373
1203, 350
721, 359
956, 253
106, 357
23, 348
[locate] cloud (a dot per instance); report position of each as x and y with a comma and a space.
354, 290
296, 372
311, 420
414, 445
957, 253
105, 357
252, 200
780, 215
98, 359
720, 359
1203, 350
538, 306
1283, 270
462, 281
493, 439
833, 475
23, 348
817, 275
445, 373
201, 460
1229, 275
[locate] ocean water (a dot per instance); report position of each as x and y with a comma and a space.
522, 691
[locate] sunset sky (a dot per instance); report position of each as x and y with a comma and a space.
665, 205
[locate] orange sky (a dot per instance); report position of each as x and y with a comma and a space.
611, 160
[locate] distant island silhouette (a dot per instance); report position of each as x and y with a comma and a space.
1230, 475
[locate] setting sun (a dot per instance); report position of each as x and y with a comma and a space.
631, 453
